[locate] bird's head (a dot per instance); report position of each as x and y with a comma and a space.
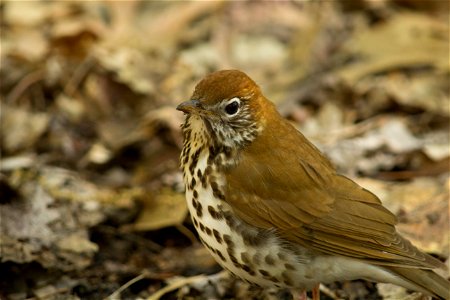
229, 104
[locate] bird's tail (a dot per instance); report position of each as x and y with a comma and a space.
427, 280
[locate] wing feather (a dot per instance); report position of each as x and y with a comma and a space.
301, 196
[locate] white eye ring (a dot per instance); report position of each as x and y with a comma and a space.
232, 106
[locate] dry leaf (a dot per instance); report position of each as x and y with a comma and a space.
406, 40
422, 208
21, 129
165, 209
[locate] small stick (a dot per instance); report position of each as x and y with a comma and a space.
176, 284
116, 294
324, 289
78, 75
24, 84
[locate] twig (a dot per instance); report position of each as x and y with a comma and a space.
324, 289
176, 284
78, 75
27, 81
116, 294
184, 230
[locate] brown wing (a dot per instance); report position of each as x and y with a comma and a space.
283, 182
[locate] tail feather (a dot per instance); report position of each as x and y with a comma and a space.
426, 280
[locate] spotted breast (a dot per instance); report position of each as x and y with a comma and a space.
255, 255
248, 253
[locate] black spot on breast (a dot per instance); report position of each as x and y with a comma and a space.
208, 231
269, 260
228, 241
193, 182
186, 158
233, 258
212, 154
229, 220
214, 186
208, 170
199, 210
281, 256
289, 266
204, 181
233, 274
216, 191
245, 258
253, 238
194, 161
246, 268
187, 134
210, 248
287, 279
217, 236
214, 213
220, 255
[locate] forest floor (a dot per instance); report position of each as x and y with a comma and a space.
92, 203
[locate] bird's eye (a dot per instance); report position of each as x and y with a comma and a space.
232, 108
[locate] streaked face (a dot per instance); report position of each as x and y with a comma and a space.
229, 122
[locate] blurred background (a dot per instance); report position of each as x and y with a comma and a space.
92, 203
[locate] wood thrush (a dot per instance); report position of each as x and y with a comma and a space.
272, 209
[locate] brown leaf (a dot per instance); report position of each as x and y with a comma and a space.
165, 209
422, 208
21, 129
406, 40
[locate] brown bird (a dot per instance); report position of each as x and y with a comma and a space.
271, 208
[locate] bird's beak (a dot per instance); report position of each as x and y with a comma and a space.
191, 106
